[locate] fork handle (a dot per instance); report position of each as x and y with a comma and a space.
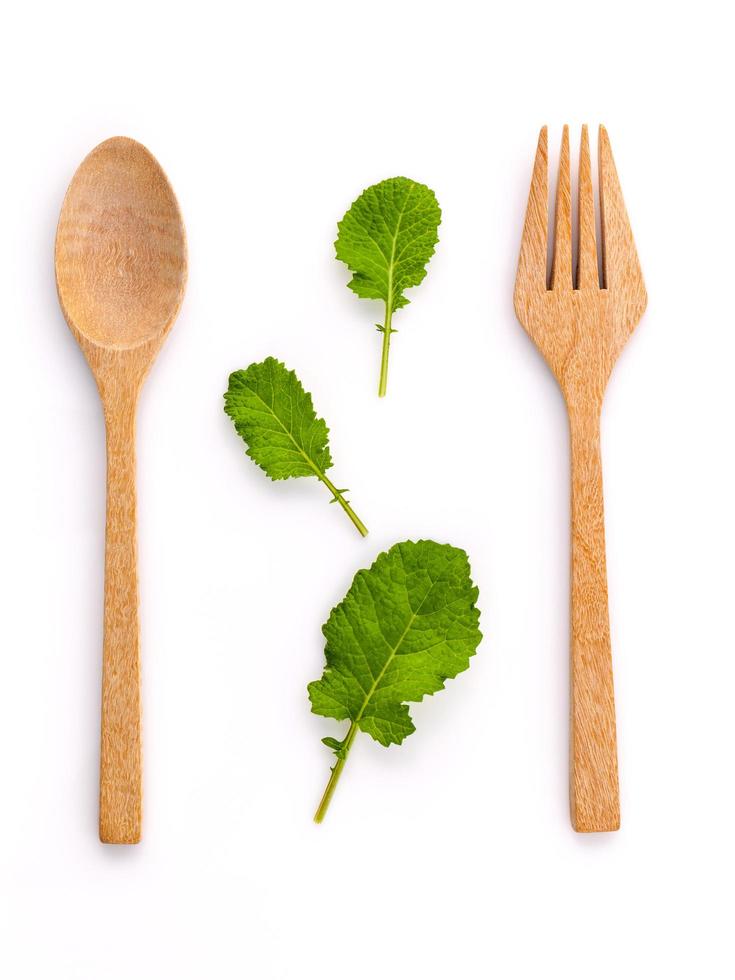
120, 754
594, 797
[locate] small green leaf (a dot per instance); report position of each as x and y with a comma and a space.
276, 419
386, 240
406, 625
337, 747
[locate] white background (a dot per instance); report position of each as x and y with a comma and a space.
451, 856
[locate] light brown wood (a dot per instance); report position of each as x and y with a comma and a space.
120, 274
580, 328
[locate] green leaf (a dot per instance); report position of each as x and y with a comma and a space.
407, 624
275, 417
336, 746
386, 239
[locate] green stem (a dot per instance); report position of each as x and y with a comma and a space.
336, 773
387, 331
337, 494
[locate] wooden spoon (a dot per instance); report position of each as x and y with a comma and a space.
120, 274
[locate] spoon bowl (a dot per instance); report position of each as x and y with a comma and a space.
120, 248
120, 273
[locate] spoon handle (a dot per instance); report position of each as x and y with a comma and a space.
594, 763
120, 755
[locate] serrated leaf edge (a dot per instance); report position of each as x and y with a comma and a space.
461, 555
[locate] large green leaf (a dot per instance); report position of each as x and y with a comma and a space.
407, 624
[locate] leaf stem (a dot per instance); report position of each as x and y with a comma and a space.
338, 496
336, 773
387, 331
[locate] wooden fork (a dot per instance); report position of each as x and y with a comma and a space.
581, 327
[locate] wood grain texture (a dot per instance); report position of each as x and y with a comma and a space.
121, 274
580, 326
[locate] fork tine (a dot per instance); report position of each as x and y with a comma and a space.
619, 256
532, 260
561, 268
587, 274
